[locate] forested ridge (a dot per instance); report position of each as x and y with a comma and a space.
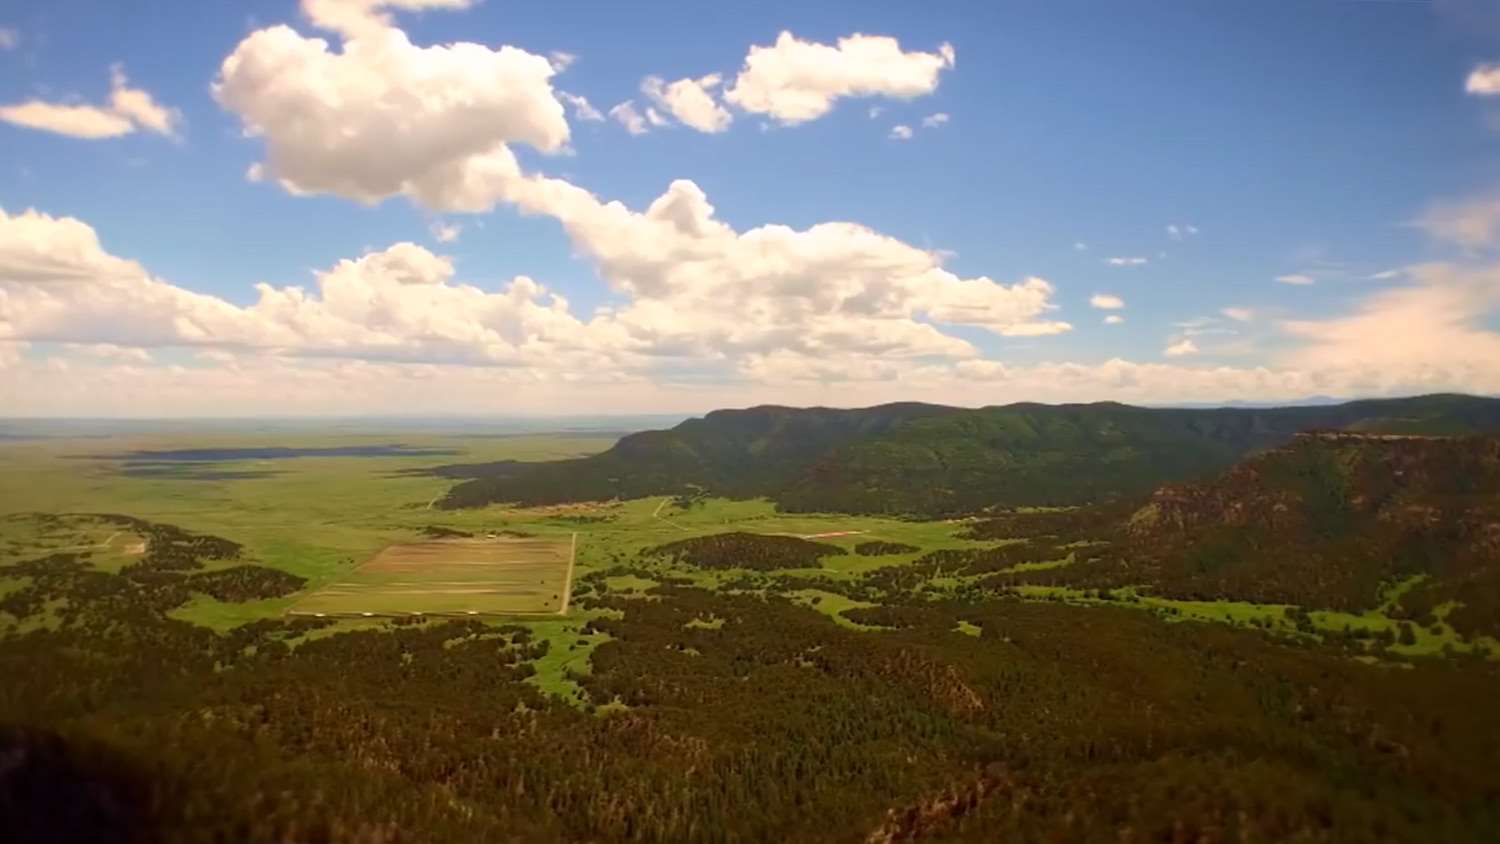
933, 461
1328, 521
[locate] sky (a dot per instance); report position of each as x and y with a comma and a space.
419, 207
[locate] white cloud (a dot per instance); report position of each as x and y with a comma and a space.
359, 344
1113, 319
794, 81
129, 109
1430, 331
1386, 275
378, 116
1483, 80
444, 232
561, 60
582, 108
875, 111
1471, 224
1181, 348
626, 115
1127, 262
1181, 232
58, 284
694, 291
1299, 279
219, 384
1080, 246
355, 17
901, 132
655, 118
1238, 314
695, 281
932, 121
109, 351
691, 101
9, 39
1106, 302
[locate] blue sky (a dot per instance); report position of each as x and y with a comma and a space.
1323, 141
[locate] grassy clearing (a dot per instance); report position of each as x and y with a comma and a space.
629, 585
568, 653
1274, 618
832, 605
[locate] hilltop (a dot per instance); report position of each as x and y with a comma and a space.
929, 460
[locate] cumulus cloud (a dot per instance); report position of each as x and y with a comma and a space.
691, 101
352, 17
377, 116
1471, 224
696, 282
794, 81
129, 109
1114, 319
444, 232
628, 116
1484, 80
932, 121
1181, 232
394, 329
901, 132
1430, 331
1127, 261
58, 284
1238, 314
1298, 279
694, 290
1106, 302
582, 108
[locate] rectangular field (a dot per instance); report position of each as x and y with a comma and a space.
502, 576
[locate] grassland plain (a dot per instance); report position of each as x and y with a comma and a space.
328, 518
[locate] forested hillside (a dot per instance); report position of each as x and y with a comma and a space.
738, 453
926, 460
1336, 520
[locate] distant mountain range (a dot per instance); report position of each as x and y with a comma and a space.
930, 460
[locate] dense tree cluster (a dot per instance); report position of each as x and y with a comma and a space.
444, 532
881, 548
739, 550
1055, 723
